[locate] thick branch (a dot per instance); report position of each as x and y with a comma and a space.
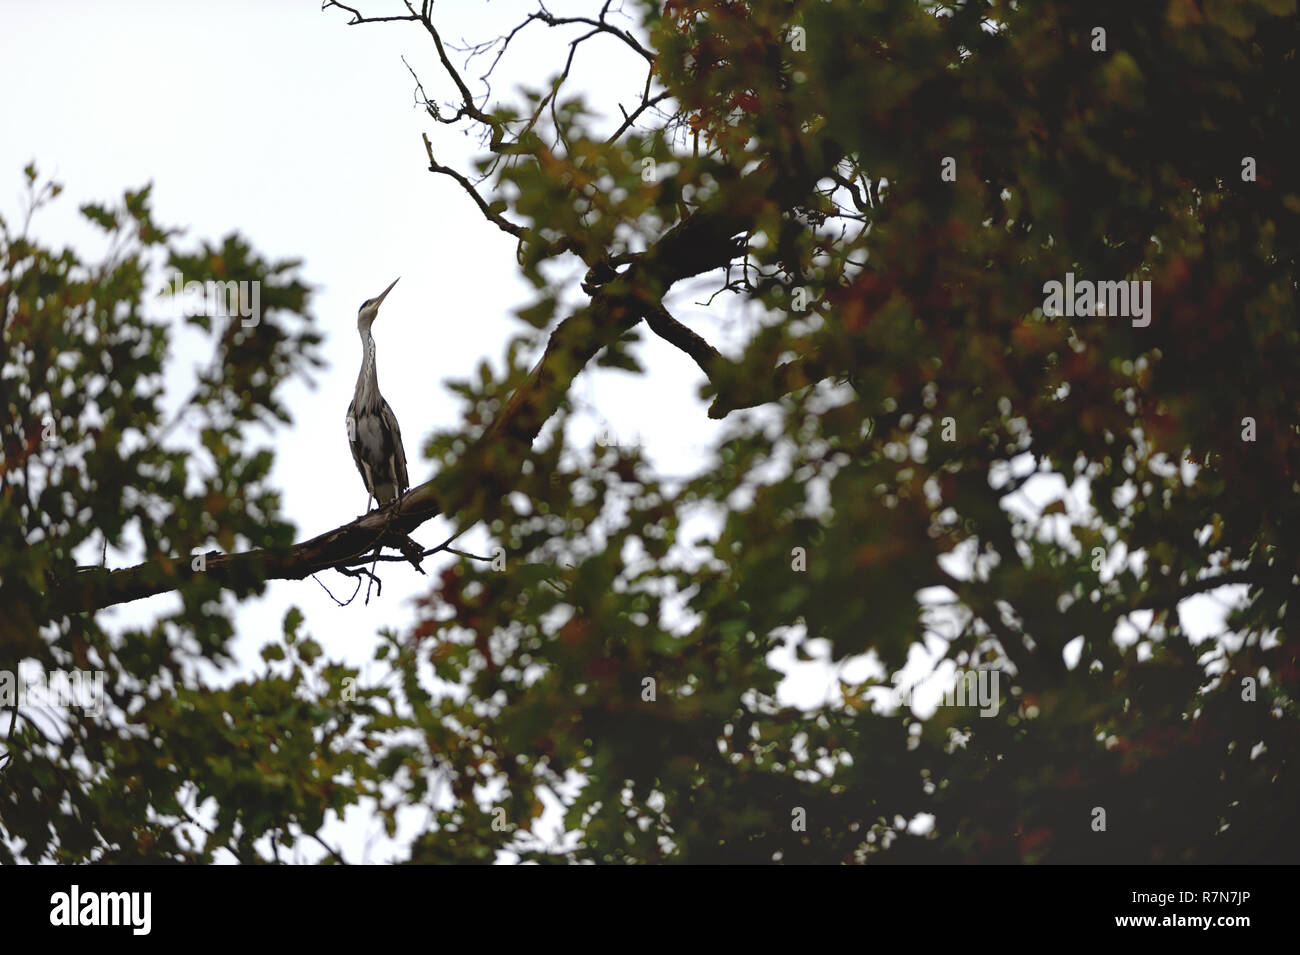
675, 333
736, 389
97, 588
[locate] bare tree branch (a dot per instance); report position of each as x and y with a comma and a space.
675, 333
495, 218
358, 18
631, 118
468, 107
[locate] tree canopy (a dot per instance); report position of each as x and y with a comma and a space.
886, 190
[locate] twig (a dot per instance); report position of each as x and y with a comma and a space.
358, 572
358, 18
341, 603
629, 119
496, 218
338, 858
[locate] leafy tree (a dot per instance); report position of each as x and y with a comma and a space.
889, 188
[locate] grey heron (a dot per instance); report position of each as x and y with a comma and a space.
373, 433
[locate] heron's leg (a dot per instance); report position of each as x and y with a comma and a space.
370, 485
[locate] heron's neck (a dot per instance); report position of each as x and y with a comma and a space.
368, 368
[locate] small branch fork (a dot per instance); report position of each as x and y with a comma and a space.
349, 569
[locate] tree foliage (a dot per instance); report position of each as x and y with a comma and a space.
884, 188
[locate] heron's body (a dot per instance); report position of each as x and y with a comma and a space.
373, 433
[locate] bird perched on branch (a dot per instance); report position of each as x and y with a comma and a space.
372, 427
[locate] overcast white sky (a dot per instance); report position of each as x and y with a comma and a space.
279, 121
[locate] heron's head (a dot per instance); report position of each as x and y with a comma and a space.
370, 307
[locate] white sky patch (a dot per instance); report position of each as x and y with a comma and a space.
1206, 615
1071, 652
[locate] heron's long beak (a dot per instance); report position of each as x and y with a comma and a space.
384, 294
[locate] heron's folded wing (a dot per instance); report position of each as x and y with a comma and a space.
399, 451
354, 442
